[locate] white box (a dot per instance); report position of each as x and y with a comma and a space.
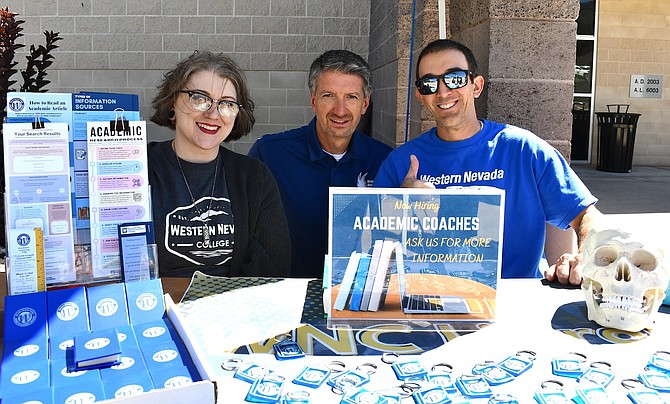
197, 392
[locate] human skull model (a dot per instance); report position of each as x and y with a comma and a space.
624, 280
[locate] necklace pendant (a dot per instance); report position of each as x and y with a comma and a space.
205, 233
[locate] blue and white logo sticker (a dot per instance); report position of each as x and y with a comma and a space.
25, 317
146, 301
23, 239
16, 104
67, 311
107, 307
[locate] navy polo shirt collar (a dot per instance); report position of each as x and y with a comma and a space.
356, 150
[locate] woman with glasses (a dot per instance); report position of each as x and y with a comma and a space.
214, 210
463, 151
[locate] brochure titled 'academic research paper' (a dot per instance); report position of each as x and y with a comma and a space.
118, 188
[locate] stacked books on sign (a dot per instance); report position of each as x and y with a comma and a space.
366, 278
90, 344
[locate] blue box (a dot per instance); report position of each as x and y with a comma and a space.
61, 348
25, 316
67, 312
64, 373
127, 337
79, 393
26, 352
96, 349
38, 396
127, 384
154, 332
16, 380
145, 301
131, 361
160, 355
169, 377
162, 335
107, 306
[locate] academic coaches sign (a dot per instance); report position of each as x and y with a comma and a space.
407, 256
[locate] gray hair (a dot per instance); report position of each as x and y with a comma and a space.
342, 61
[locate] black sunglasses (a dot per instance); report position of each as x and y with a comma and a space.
453, 79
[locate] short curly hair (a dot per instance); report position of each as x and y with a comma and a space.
176, 79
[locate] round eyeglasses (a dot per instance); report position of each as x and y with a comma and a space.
201, 102
453, 79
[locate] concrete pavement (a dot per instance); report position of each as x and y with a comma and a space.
644, 190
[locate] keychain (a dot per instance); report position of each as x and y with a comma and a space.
474, 386
592, 394
655, 380
639, 394
599, 372
440, 374
348, 379
431, 394
569, 365
518, 363
660, 360
340, 383
251, 372
362, 396
287, 349
266, 389
409, 370
312, 376
492, 373
551, 392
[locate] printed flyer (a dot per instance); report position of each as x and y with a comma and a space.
37, 178
407, 255
93, 107
118, 188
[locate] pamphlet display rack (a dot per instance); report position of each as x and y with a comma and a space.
60, 222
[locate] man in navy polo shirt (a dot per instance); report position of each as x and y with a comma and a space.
329, 151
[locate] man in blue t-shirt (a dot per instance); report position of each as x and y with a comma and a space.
328, 152
462, 150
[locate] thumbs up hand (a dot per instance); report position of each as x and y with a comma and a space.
410, 180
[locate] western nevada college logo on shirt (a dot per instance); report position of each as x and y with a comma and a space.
362, 181
185, 228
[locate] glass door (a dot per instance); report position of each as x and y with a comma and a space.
585, 63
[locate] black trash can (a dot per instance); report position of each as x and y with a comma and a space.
616, 134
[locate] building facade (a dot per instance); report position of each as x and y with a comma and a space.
527, 51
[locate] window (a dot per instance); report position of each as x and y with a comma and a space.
582, 106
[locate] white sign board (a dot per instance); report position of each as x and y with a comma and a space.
646, 86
